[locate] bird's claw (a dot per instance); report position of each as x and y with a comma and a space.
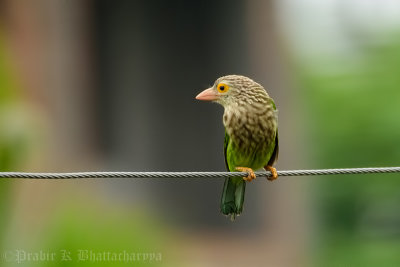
251, 175
273, 172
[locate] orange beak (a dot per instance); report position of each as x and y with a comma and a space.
207, 95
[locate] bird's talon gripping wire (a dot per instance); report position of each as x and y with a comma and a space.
251, 175
273, 173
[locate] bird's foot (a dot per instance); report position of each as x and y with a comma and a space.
273, 172
250, 171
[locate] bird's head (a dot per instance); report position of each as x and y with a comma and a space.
234, 89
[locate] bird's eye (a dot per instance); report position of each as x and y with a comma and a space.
222, 88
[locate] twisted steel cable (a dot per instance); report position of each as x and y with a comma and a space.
265, 174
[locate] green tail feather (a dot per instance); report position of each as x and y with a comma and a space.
233, 196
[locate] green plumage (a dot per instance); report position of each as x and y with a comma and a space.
251, 132
234, 188
251, 137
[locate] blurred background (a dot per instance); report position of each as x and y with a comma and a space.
110, 86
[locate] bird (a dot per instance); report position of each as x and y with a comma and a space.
251, 142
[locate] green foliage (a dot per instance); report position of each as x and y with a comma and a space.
354, 122
104, 229
13, 133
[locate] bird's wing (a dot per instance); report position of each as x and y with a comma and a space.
226, 142
274, 156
